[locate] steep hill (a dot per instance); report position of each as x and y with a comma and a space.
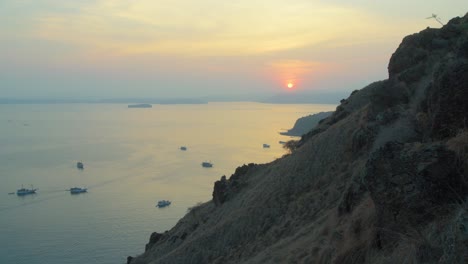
382, 180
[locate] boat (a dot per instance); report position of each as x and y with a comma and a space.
76, 190
23, 191
184, 148
282, 142
266, 146
80, 165
163, 203
207, 164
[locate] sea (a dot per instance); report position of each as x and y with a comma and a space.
132, 159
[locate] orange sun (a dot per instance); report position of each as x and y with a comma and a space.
290, 85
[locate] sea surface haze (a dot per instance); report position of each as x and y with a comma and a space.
131, 160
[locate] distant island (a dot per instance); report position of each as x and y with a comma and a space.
161, 101
306, 124
312, 97
140, 106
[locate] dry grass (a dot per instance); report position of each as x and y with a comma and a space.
459, 144
444, 241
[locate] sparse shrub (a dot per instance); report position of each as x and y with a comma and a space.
291, 145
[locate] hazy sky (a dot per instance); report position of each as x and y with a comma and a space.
177, 48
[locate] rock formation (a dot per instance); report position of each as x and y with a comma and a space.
384, 179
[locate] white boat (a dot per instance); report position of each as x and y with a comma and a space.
207, 164
76, 190
24, 191
163, 203
266, 146
183, 148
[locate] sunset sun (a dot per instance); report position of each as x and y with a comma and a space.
290, 85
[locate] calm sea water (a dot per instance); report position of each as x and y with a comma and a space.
132, 160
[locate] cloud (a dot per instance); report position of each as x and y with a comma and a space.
203, 28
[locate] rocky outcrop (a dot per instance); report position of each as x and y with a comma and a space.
384, 179
154, 238
223, 188
411, 186
220, 191
447, 102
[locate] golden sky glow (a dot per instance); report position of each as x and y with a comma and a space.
208, 28
204, 46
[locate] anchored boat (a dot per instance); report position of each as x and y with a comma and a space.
24, 191
207, 164
163, 203
76, 190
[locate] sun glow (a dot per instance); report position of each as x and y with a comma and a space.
290, 85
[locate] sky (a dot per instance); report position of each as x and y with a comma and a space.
186, 48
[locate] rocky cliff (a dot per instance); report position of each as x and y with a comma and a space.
382, 180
